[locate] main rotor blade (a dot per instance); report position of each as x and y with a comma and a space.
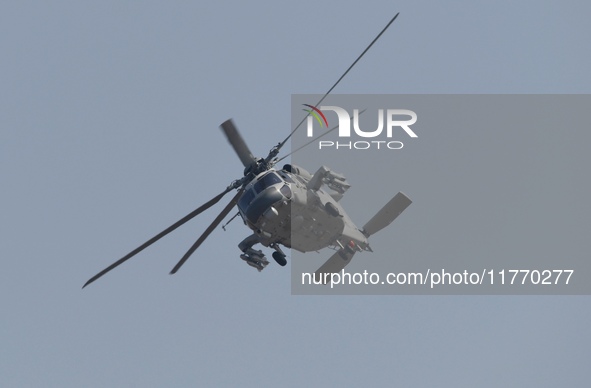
207, 232
280, 145
237, 142
335, 264
314, 139
166, 231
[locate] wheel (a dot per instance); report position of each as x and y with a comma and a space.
279, 258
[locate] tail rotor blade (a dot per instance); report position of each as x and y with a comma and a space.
387, 214
237, 143
207, 232
157, 237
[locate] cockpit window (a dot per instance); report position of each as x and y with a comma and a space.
268, 180
246, 199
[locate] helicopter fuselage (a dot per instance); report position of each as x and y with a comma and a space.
289, 207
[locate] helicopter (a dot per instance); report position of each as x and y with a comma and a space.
287, 207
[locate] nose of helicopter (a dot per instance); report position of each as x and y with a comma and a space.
262, 202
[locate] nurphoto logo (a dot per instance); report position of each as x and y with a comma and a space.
395, 120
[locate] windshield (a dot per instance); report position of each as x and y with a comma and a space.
246, 199
268, 180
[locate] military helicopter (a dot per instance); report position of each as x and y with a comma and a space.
287, 207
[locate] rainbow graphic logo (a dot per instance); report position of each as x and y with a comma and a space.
317, 114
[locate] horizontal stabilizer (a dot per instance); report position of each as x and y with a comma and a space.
335, 264
387, 214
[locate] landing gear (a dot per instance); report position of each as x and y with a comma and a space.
278, 255
280, 258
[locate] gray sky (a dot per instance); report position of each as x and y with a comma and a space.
109, 133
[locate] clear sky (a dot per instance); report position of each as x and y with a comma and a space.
109, 133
